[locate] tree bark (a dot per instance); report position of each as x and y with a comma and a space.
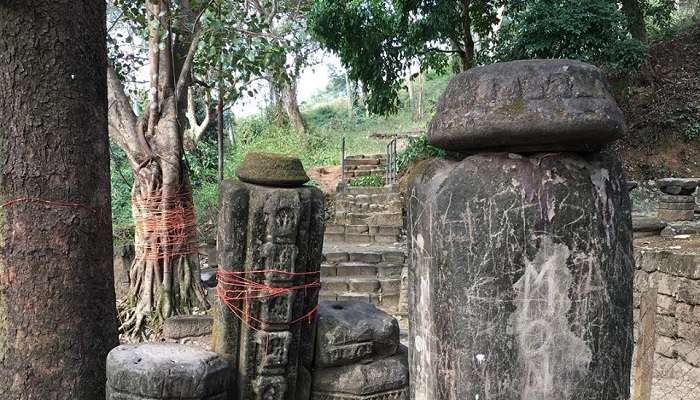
57, 305
291, 106
635, 19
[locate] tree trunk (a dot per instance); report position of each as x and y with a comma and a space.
349, 96
635, 19
291, 106
57, 306
164, 278
467, 52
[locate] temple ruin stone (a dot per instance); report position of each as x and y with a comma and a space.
521, 264
358, 355
678, 202
532, 105
155, 371
268, 338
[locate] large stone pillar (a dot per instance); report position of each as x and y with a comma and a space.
521, 264
272, 236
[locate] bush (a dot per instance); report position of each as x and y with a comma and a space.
368, 181
416, 150
593, 31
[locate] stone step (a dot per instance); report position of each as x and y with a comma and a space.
353, 269
386, 303
389, 257
350, 190
377, 219
354, 284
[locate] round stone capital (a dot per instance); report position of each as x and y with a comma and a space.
270, 169
527, 106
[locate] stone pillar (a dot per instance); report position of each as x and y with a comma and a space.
677, 203
154, 371
521, 278
277, 228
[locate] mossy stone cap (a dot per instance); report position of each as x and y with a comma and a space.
269, 169
531, 105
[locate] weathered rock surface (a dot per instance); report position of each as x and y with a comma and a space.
123, 257
526, 106
383, 379
277, 232
184, 326
275, 170
351, 331
521, 277
678, 186
153, 371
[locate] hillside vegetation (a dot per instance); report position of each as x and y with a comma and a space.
661, 104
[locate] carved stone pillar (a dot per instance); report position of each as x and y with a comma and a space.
270, 241
521, 264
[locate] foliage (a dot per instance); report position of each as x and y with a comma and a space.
380, 41
416, 150
688, 118
367, 181
594, 31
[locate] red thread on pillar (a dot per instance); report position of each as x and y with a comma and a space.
241, 287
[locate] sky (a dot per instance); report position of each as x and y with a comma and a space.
313, 79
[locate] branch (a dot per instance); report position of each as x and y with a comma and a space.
196, 129
124, 127
184, 78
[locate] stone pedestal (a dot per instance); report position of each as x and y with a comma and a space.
521, 278
269, 338
155, 371
358, 356
678, 202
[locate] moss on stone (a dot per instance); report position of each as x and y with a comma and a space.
271, 169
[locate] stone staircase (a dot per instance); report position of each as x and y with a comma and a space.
363, 165
370, 274
365, 215
364, 251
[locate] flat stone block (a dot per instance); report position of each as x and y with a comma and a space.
390, 286
678, 186
677, 206
334, 237
336, 257
328, 270
380, 379
533, 105
366, 285
357, 229
334, 228
394, 257
167, 371
363, 238
386, 239
366, 257
389, 270
356, 269
675, 215
334, 285
183, 326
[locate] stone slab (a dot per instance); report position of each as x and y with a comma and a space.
527, 106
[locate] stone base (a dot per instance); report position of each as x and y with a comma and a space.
154, 371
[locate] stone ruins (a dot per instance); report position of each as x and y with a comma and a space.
521, 264
520, 280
